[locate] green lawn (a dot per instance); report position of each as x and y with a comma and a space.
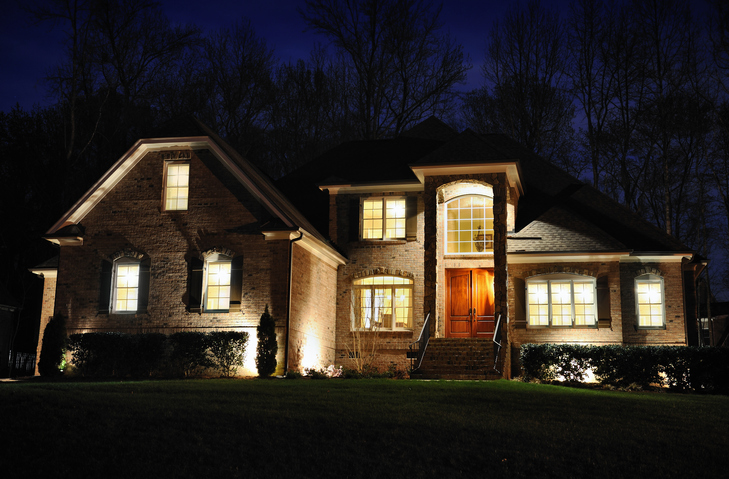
355, 428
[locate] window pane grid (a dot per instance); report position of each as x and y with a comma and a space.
469, 225
383, 302
177, 186
127, 284
383, 218
650, 303
561, 303
218, 286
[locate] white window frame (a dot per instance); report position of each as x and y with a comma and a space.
166, 187
385, 200
115, 281
379, 282
447, 238
215, 259
566, 278
650, 279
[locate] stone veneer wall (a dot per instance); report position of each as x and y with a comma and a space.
398, 258
221, 213
439, 189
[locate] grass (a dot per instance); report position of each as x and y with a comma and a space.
351, 428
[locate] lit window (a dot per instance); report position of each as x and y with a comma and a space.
383, 218
177, 181
470, 225
383, 303
561, 300
126, 287
650, 301
217, 284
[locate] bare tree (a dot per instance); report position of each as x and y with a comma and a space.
401, 69
239, 72
527, 91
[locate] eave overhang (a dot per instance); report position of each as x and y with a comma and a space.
522, 257
511, 168
44, 272
378, 187
308, 242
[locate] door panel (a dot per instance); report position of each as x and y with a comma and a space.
483, 299
458, 304
469, 303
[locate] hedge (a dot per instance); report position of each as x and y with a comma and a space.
678, 367
156, 354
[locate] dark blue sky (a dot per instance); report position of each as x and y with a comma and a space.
28, 51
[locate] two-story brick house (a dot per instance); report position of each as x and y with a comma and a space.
369, 239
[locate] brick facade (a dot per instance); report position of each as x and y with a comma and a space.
369, 257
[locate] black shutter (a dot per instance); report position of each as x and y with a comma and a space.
603, 302
411, 215
195, 284
144, 274
520, 305
236, 283
105, 286
354, 216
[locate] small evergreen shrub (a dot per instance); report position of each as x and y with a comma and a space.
267, 346
53, 349
227, 349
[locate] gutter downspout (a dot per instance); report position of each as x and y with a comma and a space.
290, 292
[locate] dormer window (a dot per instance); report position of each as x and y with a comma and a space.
177, 181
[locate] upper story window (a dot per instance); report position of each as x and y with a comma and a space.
383, 303
470, 225
177, 182
383, 218
650, 301
217, 282
561, 300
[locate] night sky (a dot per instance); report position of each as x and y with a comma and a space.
28, 51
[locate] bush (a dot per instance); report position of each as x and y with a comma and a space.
227, 349
189, 355
267, 346
678, 367
53, 350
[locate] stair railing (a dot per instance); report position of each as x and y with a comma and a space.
497, 343
416, 356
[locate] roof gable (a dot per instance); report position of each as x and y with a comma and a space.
245, 173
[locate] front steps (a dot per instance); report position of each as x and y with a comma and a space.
448, 358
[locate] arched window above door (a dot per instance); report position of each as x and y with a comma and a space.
470, 225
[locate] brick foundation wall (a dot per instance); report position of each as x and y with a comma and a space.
312, 339
49, 298
675, 330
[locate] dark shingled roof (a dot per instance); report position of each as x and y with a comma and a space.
557, 212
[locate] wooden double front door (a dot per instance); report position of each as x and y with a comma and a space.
469, 303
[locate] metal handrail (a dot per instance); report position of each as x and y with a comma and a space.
422, 343
497, 343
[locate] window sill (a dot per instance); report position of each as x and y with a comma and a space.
379, 242
651, 328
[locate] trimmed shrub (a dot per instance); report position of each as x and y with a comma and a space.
53, 350
227, 349
189, 355
678, 367
267, 346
